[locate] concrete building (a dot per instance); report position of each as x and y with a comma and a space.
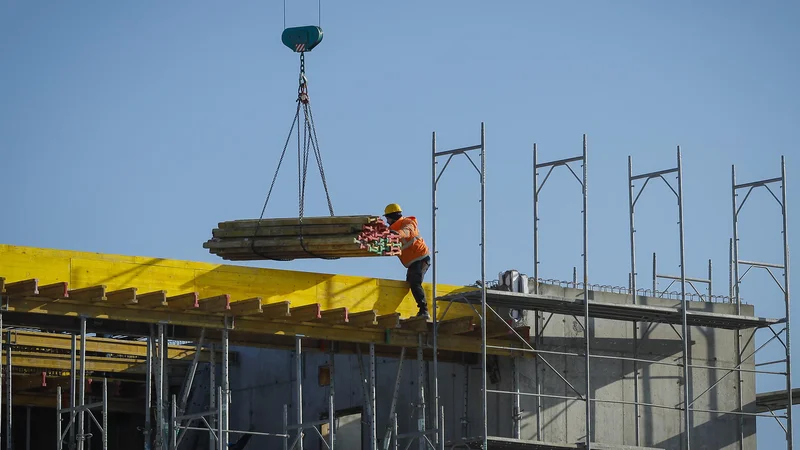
265, 379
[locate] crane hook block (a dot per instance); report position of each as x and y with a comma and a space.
302, 39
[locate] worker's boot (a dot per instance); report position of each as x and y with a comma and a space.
423, 311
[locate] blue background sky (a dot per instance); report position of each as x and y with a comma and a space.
134, 127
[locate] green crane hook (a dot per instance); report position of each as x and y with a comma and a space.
302, 39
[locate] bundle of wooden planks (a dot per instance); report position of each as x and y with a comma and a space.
286, 239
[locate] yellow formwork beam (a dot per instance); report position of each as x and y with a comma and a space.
100, 345
55, 361
396, 337
84, 269
48, 400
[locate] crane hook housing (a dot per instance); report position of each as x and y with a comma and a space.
302, 39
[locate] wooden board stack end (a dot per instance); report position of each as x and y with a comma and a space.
286, 239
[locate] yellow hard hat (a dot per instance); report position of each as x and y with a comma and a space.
392, 208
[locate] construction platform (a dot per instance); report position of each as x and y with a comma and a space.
501, 443
41, 287
605, 310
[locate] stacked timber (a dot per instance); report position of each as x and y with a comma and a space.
286, 239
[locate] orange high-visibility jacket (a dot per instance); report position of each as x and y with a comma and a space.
412, 245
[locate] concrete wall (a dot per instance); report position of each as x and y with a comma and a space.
264, 381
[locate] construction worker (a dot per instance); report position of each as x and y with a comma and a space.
415, 255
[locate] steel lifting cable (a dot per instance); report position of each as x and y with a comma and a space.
309, 142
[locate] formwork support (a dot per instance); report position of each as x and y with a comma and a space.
148, 393
737, 278
390, 431
9, 399
436, 175
685, 329
81, 409
82, 400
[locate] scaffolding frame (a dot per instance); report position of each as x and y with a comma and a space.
645, 314
435, 178
684, 328
736, 281
583, 159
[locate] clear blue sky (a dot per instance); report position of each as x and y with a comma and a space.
134, 127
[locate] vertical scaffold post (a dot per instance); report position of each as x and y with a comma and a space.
212, 381
226, 386
73, 385
299, 374
9, 393
332, 399
687, 417
586, 295
536, 314
59, 439
105, 414
515, 409
789, 437
82, 399
373, 424
632, 283
160, 420
173, 435
148, 392
221, 445
1, 353
484, 320
433, 292
535, 223
285, 427
734, 292
420, 394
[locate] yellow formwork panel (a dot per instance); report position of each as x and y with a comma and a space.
83, 269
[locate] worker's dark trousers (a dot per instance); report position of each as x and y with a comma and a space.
414, 277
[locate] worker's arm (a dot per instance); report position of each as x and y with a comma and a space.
408, 230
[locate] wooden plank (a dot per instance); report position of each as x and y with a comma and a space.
418, 324
305, 313
217, 303
88, 294
290, 230
388, 320
289, 243
54, 291
288, 221
251, 306
338, 315
24, 288
459, 325
122, 296
2, 284
278, 310
155, 299
363, 319
184, 301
